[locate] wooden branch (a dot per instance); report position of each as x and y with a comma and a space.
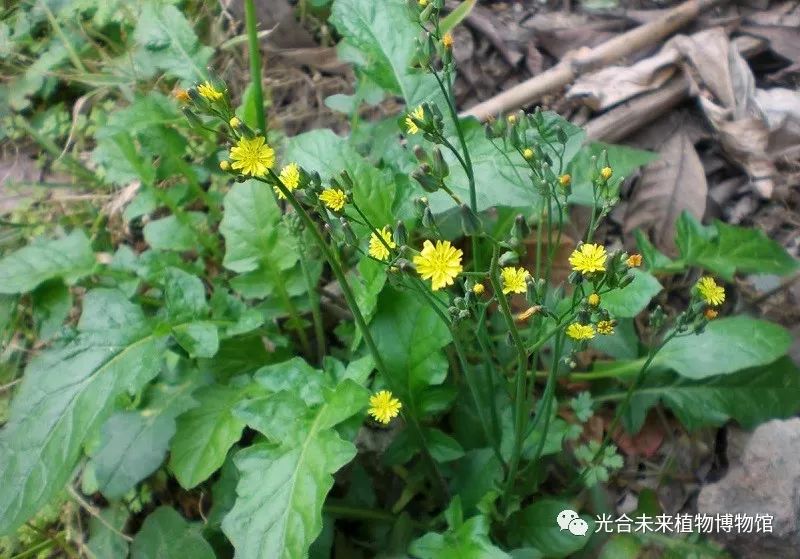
627, 117
582, 62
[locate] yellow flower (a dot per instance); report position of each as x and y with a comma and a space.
418, 114
605, 327
447, 40
253, 156
710, 314
333, 198
383, 406
588, 258
606, 172
634, 261
380, 249
208, 91
441, 264
711, 293
478, 289
182, 95
514, 280
578, 331
564, 180
527, 153
234, 122
511, 119
593, 299
290, 177
225, 165
422, 3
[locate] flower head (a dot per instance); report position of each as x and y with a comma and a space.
441, 263
710, 292
512, 119
234, 122
290, 177
378, 248
593, 299
634, 261
252, 156
225, 165
578, 331
588, 258
565, 180
514, 280
527, 153
710, 314
606, 172
447, 40
333, 198
605, 327
416, 114
478, 289
383, 406
208, 91
422, 3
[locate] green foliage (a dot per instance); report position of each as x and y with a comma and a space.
535, 526
69, 258
166, 534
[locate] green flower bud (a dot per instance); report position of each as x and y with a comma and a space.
470, 222
521, 229
440, 167
400, 234
427, 218
349, 235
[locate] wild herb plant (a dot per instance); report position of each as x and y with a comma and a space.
380, 358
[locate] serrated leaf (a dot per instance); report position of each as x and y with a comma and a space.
750, 396
70, 258
167, 535
384, 37
65, 394
205, 434
329, 154
166, 41
726, 345
727, 249
633, 298
283, 483
469, 540
133, 444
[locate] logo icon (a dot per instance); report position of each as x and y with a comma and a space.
568, 519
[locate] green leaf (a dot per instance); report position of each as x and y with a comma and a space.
133, 444
199, 339
329, 154
205, 433
726, 345
166, 41
70, 258
621, 546
173, 233
624, 160
727, 249
52, 302
443, 447
166, 534
283, 483
380, 40
449, 22
535, 526
655, 260
478, 473
410, 337
750, 396
104, 542
633, 298
469, 540
257, 242
66, 393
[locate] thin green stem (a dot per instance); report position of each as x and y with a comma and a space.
520, 399
316, 313
255, 63
350, 298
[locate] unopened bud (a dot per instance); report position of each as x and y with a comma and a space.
400, 234
470, 222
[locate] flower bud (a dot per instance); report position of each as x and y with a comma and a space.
440, 167
470, 222
419, 205
508, 258
427, 181
427, 218
235, 122
527, 153
225, 165
400, 234
349, 235
521, 229
626, 281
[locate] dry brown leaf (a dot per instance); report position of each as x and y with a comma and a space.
668, 186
